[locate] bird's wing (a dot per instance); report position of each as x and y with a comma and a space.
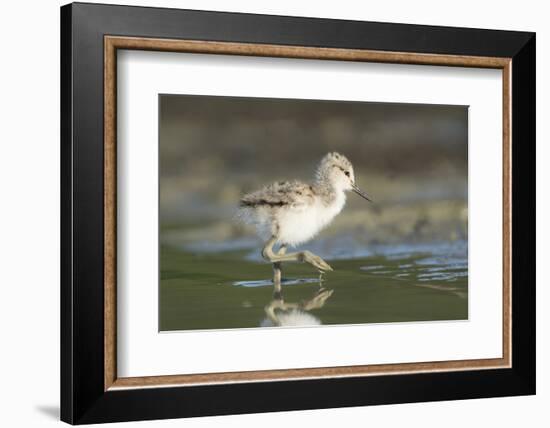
289, 194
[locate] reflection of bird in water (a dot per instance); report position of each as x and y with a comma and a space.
281, 314
293, 212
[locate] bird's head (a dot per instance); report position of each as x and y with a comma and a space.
337, 170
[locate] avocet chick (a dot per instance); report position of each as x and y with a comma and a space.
289, 213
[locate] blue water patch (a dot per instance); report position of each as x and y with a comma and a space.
269, 282
440, 262
444, 261
374, 267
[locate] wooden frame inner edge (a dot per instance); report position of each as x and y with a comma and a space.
112, 43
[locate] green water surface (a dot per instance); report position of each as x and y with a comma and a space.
226, 290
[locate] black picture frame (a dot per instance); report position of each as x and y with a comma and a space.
83, 398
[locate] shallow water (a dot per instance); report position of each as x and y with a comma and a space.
228, 286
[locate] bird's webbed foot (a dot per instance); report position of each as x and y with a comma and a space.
315, 261
318, 300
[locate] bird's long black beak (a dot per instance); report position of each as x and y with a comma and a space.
360, 192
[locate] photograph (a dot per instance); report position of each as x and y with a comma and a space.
294, 213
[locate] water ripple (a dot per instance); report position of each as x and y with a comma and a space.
269, 282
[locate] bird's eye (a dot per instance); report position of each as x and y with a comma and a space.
347, 173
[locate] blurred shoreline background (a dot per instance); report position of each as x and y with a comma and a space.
411, 158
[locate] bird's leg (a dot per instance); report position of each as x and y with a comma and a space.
277, 273
318, 300
278, 305
303, 256
276, 279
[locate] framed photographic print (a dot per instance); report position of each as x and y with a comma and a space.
265, 213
